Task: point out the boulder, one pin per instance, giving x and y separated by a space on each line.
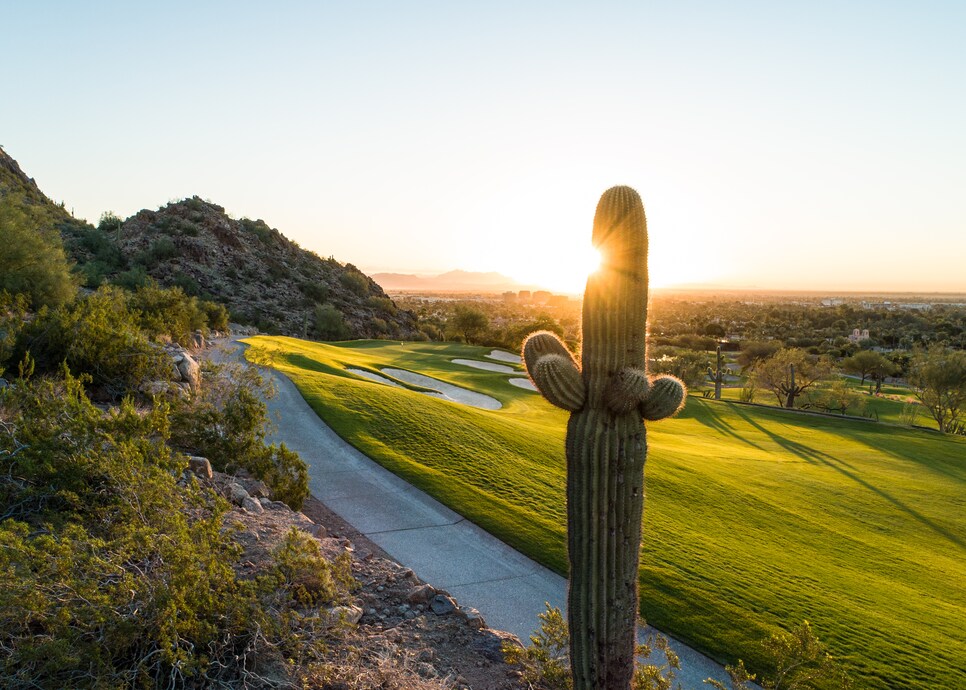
190 372
473 617
350 614
237 493
442 605
490 643
421 594
200 466
251 505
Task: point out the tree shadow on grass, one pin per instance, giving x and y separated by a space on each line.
817 457
711 418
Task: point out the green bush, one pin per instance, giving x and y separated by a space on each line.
104 581
32 259
329 323
227 422
355 282
99 336
168 312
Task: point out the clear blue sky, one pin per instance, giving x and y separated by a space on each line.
780 145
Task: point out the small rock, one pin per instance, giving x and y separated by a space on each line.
409 615
472 617
371 612
250 505
259 489
426 654
442 605
200 466
421 594
350 614
266 502
237 493
402 608
490 643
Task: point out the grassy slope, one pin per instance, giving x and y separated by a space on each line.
754 517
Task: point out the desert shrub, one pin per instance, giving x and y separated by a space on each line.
355 282
168 312
216 315
259 228
227 422
379 326
795 660
545 663
188 284
383 304
160 250
99 336
13 313
316 292
133 278
109 222
328 323
32 259
104 581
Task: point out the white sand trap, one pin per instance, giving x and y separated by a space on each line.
523 383
504 356
489 366
447 391
373 377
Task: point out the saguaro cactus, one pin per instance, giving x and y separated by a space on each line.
608 396
717 375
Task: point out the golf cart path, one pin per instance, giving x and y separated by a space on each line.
441 546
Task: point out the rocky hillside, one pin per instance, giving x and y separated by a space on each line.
264 279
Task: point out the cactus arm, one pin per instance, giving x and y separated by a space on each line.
628 388
666 398
553 371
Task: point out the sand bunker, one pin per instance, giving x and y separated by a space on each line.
504 356
373 377
489 366
446 391
523 383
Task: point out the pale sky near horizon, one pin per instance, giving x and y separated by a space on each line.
814 145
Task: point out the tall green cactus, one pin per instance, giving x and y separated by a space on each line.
717 375
608 396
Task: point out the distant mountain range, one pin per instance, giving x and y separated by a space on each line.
451 281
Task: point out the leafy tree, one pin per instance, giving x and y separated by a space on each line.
753 351
470 322
939 377
869 363
788 373
836 397
32 259
688 365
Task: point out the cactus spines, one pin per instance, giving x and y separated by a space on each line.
717 375
606 442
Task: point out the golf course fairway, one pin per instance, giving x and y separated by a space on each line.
755 519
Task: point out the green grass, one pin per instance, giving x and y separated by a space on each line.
754 518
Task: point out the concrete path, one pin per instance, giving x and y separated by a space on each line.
442 547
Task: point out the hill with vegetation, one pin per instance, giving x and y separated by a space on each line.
264 279
756 518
